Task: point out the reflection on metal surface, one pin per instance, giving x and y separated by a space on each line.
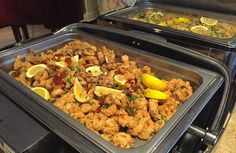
130 3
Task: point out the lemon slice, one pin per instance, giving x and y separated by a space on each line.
153 82
100 91
75 58
95 70
61 64
151 93
33 70
120 79
43 92
199 29
208 21
79 92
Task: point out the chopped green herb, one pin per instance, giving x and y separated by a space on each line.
133 98
104 70
104 106
66 91
163 117
68 81
65 71
153 112
137 91
74 68
159 122
91 102
130 111
116 86
129 97
84 123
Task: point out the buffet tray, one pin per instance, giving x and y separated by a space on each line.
121 16
205 83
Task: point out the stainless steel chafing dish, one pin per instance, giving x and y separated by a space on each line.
121 16
205 84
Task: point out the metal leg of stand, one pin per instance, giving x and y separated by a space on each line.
16 32
25 31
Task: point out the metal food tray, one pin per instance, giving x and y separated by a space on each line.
205 83
122 16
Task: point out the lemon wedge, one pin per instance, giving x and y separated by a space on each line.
43 92
61 64
208 21
100 91
120 79
75 59
79 92
33 70
95 70
151 93
162 24
200 29
12 72
181 20
153 82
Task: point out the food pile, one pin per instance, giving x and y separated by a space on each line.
108 94
186 22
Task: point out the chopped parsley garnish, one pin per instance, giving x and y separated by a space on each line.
137 92
162 117
66 91
68 81
65 71
129 97
91 102
104 106
133 98
116 86
130 111
153 112
74 68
